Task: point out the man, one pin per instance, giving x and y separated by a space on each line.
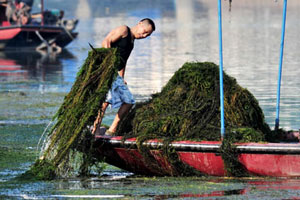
119 96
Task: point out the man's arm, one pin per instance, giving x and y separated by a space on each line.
114 35
122 73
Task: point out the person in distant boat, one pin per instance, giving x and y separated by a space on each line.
119 95
23 3
18 11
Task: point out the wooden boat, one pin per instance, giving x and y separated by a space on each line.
36 35
259 159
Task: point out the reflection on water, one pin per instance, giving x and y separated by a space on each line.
163 188
27 66
32 85
37 71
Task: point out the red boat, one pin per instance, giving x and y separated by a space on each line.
259 159
45 30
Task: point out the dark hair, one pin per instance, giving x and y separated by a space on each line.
150 21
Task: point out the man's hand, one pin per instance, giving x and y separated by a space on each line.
106 43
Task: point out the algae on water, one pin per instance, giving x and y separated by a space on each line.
69 144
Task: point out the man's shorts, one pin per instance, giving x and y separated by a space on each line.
119 94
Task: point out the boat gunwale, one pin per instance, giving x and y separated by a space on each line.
204 146
40 27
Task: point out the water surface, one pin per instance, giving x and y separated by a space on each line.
33 85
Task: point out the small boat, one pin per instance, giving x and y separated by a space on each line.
259 159
46 30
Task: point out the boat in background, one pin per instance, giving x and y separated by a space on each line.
46 30
258 159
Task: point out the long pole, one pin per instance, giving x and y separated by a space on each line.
280 65
42 12
221 69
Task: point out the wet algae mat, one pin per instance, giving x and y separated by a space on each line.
18 148
69 150
24 116
28 106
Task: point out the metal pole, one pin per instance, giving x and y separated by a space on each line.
280 65
221 69
42 12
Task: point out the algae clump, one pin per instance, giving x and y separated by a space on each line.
188 107
69 149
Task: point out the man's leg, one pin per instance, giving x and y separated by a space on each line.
124 109
99 118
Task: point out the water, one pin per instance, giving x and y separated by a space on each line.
33 85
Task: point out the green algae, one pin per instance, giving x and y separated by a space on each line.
17 148
10 157
70 140
155 188
188 108
229 153
29 105
41 170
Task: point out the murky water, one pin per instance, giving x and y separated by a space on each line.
32 87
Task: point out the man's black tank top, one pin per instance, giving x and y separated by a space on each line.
125 46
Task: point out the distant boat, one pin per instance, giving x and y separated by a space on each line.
46 34
258 159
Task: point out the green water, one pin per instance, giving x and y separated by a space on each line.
33 90
24 116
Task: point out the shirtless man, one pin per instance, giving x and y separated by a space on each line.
119 96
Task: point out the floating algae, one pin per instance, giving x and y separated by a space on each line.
69 150
188 108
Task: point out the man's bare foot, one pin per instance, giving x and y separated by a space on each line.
109 133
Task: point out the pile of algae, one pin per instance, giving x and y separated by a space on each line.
188 108
69 150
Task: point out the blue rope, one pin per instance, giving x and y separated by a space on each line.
280 65
221 70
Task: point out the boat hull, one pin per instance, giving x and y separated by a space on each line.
204 158
30 37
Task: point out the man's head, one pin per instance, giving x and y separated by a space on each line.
145 27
